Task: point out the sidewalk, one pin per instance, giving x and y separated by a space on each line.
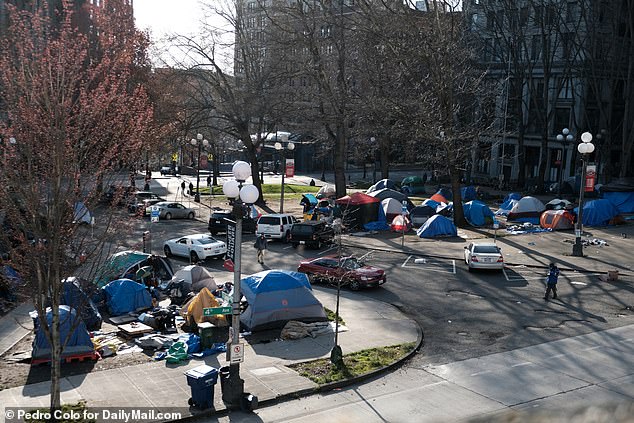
15 326
369 324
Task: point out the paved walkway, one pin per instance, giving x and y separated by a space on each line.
15 326
369 324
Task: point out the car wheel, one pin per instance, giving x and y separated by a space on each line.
168 216
355 285
194 257
168 252
190 216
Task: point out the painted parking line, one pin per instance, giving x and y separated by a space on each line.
329 249
524 273
430 264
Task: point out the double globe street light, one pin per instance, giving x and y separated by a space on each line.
239 194
585 148
200 142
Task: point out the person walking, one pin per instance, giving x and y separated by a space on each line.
182 189
191 188
551 281
261 245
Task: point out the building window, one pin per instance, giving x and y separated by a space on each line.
562 118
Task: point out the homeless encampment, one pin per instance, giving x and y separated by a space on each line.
420 214
557 220
75 297
192 310
620 193
81 214
444 195
527 209
327 191
413 185
358 209
401 223
70 323
382 184
391 208
558 204
509 202
126 263
125 296
277 296
468 193
197 277
437 226
384 193
598 212
478 213
308 202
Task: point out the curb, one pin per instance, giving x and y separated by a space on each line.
319 389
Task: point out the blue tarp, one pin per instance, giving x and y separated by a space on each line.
125 295
310 198
78 342
508 203
380 224
478 213
437 226
468 193
73 296
597 212
277 296
623 201
431 203
445 192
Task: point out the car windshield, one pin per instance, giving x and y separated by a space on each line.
206 240
486 249
350 263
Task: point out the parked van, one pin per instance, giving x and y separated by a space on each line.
275 226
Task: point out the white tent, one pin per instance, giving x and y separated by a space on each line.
527 208
326 191
82 214
198 277
558 204
391 206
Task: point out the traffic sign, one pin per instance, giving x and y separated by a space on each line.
154 214
212 311
237 353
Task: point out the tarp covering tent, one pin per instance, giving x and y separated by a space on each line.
619 185
125 295
468 193
557 220
197 277
358 209
598 212
81 214
445 209
308 202
558 204
506 208
79 341
384 193
620 192
382 184
75 297
431 203
420 214
413 185
527 209
378 225
192 310
478 213
327 191
401 223
508 203
277 296
443 195
118 263
437 226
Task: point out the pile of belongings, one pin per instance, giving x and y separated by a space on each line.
524 228
590 242
162 319
297 330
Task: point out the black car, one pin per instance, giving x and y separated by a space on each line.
138 202
312 233
218 223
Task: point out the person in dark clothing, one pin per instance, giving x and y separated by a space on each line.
183 187
191 188
261 245
551 281
209 180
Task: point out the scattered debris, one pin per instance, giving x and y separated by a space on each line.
589 242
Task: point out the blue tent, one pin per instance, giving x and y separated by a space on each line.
597 212
431 203
445 192
623 201
478 213
508 203
79 341
75 297
468 193
277 296
380 224
436 226
125 295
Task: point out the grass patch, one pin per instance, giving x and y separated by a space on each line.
322 371
69 413
331 316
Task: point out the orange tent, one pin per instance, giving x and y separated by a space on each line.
439 198
557 220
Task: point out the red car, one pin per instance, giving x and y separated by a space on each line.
352 272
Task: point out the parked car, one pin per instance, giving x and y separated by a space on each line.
312 233
142 200
217 222
483 255
349 270
275 226
167 170
195 247
171 210
122 193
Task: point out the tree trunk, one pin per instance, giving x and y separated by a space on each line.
56 355
458 211
543 161
339 161
521 160
385 158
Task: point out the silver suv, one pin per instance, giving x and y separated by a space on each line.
275 226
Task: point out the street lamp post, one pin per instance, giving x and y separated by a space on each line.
280 149
563 138
585 148
200 142
239 194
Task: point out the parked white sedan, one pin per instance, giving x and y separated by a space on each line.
171 210
483 255
195 247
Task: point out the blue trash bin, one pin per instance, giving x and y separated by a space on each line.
202 380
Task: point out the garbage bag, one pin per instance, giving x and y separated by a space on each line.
177 352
